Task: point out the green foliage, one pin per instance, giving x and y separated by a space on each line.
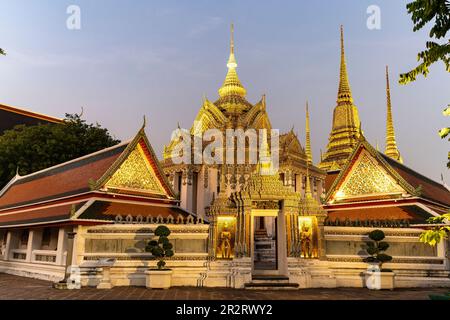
32 148
376 248
162 231
444 132
161 248
376 235
437 233
422 12
2 52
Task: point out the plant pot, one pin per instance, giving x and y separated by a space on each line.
377 280
158 279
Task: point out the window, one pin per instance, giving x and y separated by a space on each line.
46 238
24 238
282 177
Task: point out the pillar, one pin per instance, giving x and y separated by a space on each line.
7 246
61 247
34 243
186 191
12 243
321 238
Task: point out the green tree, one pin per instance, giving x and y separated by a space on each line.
439 230
437 12
422 12
2 52
32 148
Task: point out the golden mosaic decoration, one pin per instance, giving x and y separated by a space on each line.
367 178
135 173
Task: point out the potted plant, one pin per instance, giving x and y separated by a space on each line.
376 277
160 278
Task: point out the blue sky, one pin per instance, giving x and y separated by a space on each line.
158 58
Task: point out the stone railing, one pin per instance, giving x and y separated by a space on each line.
18 254
44 256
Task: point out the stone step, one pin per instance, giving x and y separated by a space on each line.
268 278
272 285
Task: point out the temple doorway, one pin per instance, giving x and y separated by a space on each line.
265 251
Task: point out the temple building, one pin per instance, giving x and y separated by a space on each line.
199 184
103 205
239 225
12 116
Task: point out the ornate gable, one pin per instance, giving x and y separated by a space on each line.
367 175
136 171
136 174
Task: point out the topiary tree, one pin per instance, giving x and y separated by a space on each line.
376 248
161 248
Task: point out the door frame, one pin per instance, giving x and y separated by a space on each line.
281 241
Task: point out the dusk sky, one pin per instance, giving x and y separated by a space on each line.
158 58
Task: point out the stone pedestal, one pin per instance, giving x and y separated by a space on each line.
105 282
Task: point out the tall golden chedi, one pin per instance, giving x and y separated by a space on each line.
200 184
391 144
346 128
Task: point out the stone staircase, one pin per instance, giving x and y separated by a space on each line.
265 251
268 282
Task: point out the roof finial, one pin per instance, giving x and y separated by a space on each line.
232 60
391 143
344 93
17 171
145 122
232 39
232 85
308 136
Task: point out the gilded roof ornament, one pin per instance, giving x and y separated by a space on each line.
344 92
232 85
308 136
391 143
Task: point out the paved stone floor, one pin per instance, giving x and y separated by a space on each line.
18 288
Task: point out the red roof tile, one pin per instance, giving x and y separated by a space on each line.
410 213
66 179
431 190
108 210
37 215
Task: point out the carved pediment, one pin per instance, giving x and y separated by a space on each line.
367 177
136 173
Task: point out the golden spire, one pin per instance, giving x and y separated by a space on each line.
308 193
232 85
391 144
308 137
346 130
344 92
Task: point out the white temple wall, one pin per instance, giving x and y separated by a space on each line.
414 265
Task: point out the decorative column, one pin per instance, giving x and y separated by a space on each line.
321 237
66 282
186 190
